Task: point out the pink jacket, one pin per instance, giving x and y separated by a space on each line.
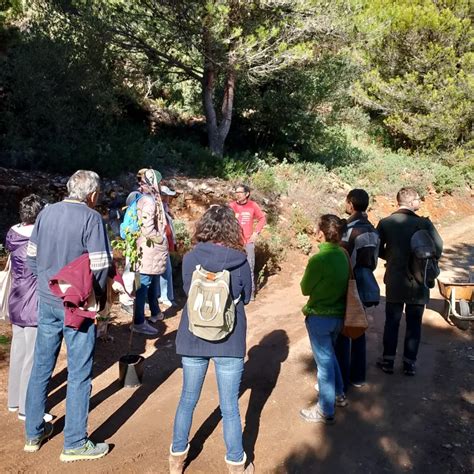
152 241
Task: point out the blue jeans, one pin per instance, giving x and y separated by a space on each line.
351 355
166 283
323 332
80 354
149 290
229 374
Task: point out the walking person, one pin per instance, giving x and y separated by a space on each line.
63 232
325 282
153 246
219 246
362 244
402 289
252 220
22 307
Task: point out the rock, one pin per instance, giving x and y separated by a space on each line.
447 446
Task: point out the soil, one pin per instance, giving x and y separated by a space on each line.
393 424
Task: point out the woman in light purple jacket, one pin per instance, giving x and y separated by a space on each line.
22 306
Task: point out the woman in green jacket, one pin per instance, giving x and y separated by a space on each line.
325 282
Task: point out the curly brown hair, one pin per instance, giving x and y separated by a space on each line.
220 226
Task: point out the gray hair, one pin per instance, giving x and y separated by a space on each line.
82 184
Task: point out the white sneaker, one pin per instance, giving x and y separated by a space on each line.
316 386
12 409
144 328
158 317
47 417
341 400
167 303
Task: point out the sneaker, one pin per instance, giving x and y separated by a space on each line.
409 368
168 303
158 317
144 328
128 308
313 415
12 409
47 417
341 401
316 386
358 384
89 451
32 445
385 365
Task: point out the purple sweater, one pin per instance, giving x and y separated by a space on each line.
23 302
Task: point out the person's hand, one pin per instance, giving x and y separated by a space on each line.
253 237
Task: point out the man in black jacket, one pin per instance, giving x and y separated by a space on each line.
402 289
362 244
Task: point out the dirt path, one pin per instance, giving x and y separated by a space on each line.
394 424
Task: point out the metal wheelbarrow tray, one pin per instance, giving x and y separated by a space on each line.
457 295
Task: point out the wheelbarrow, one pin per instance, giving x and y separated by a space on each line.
458 302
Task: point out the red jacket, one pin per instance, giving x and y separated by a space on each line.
74 283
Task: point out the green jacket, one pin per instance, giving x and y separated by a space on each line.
325 282
395 233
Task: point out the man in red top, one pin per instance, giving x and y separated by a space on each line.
252 219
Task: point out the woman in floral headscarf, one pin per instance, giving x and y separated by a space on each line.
153 246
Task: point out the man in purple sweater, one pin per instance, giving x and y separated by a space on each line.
63 232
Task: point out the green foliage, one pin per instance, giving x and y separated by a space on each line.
129 248
4 340
287 114
300 222
182 235
10 9
57 114
419 61
304 243
269 253
382 171
266 181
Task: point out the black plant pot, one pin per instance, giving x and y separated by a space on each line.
131 370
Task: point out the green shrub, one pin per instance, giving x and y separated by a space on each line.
300 222
304 243
182 235
266 181
448 179
269 253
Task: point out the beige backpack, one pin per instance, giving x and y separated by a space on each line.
211 309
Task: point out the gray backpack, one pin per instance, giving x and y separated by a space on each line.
211 309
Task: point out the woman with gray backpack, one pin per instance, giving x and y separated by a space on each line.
213 326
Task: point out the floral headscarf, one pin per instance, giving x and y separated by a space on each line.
150 182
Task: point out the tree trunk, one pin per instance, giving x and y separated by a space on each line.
217 132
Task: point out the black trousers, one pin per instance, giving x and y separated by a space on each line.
393 315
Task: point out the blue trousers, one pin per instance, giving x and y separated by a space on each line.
166 283
323 332
229 374
149 290
80 355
